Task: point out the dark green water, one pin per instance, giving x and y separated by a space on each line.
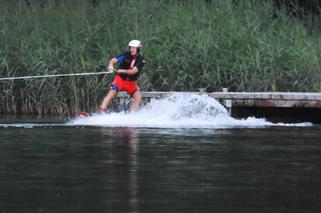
94 169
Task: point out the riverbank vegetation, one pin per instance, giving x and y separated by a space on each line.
241 45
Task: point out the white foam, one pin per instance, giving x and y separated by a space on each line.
180 110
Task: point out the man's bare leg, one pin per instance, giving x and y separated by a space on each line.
111 94
137 98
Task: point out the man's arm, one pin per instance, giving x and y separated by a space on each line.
132 71
139 66
111 64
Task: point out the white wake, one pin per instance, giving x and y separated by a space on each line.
180 110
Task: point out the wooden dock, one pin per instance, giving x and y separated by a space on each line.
275 106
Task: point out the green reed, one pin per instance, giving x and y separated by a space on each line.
188 45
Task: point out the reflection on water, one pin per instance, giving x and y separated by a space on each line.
129 137
68 169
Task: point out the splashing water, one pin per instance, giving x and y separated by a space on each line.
180 110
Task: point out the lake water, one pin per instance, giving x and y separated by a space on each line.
182 162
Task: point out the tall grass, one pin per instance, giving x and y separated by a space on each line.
188 45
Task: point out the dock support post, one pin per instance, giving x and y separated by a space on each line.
228 102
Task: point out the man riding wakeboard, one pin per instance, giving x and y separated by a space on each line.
130 64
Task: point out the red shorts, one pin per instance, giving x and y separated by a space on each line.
123 85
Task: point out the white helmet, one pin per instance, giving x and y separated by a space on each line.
135 43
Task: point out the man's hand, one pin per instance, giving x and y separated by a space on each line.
111 68
121 71
111 64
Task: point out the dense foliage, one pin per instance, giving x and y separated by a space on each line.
242 45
